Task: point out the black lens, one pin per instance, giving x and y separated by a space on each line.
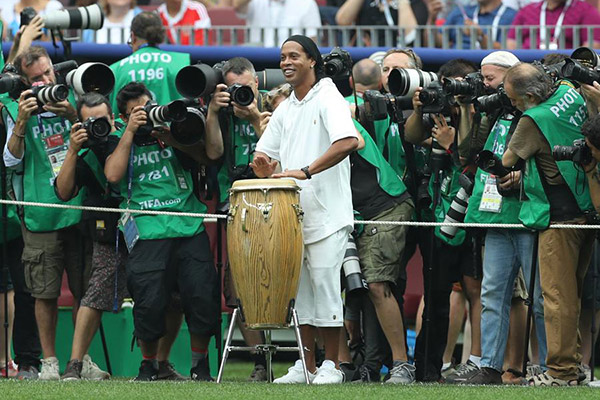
100 128
243 96
191 130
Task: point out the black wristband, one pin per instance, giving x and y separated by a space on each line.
305 170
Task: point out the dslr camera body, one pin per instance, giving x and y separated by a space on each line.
97 129
436 100
379 105
579 153
338 64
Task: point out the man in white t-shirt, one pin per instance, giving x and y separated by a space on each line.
290 17
311 134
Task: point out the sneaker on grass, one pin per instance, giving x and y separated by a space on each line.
91 371
73 371
463 372
295 374
367 375
49 370
147 373
201 372
328 374
167 372
13 369
28 372
259 374
401 373
485 376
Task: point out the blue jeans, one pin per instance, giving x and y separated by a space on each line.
506 250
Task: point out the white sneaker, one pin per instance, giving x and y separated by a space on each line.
49 370
295 374
91 371
328 374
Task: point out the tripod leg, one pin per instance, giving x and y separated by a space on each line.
596 259
227 344
300 345
269 356
530 302
105 348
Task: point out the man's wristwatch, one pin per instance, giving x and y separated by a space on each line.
305 170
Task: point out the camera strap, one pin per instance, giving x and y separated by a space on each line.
495 22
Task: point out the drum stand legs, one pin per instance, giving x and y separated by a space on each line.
267 348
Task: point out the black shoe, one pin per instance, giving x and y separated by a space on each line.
167 372
485 376
366 375
201 372
147 373
73 371
463 373
349 370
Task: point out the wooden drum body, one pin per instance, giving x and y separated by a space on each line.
265 249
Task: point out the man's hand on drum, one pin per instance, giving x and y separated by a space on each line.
291 173
263 167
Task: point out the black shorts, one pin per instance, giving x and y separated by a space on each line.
459 261
156 267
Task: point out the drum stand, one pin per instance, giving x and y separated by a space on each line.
267 348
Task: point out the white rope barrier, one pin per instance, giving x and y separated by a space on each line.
214 217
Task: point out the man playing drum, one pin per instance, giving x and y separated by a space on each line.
311 134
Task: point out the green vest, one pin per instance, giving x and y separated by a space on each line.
46 144
396 157
153 67
559 119
449 187
243 138
509 211
388 180
160 183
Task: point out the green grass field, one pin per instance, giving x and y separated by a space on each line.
235 388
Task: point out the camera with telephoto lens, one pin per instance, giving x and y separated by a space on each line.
494 102
379 105
423 196
351 266
471 86
90 17
458 208
48 94
579 153
435 99
159 116
192 129
10 82
338 64
97 129
404 82
576 71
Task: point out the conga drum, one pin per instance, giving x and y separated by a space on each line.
265 249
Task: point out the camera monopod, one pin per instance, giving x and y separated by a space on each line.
4 263
530 300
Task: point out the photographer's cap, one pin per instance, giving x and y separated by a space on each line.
500 58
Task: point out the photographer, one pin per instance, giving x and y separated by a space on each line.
84 169
557 191
506 250
38 137
164 251
241 131
379 194
454 254
148 64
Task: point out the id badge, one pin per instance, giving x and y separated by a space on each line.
491 200
446 183
56 151
130 230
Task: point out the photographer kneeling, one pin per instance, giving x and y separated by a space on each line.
557 192
164 251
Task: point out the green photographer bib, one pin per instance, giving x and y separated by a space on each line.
160 183
46 145
449 187
484 205
396 157
559 119
153 67
244 139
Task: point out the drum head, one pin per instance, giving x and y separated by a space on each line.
263 184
